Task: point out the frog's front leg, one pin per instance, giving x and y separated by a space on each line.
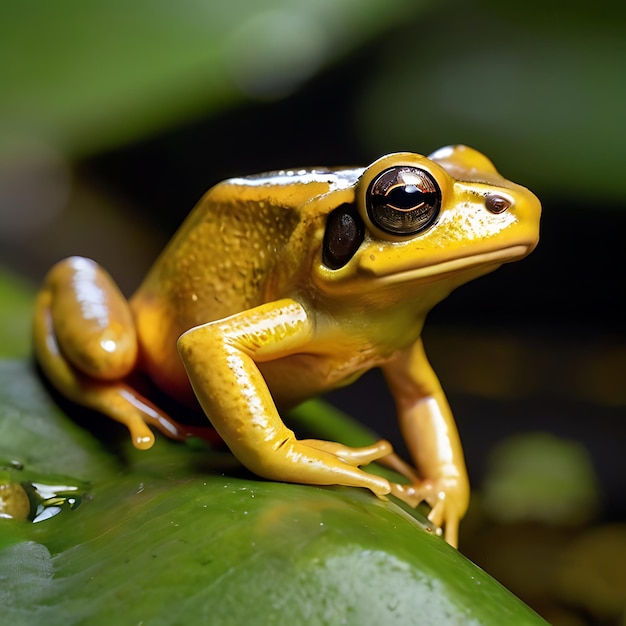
221 360
431 435
85 342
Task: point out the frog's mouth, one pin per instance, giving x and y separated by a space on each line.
390 272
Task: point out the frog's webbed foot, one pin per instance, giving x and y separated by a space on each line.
443 498
352 456
441 495
137 412
316 462
341 466
128 407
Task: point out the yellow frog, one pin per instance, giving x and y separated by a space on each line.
285 285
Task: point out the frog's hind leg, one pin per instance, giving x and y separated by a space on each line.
85 342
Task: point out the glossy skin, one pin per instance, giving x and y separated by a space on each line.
259 302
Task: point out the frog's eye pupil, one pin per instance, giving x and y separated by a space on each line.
344 233
403 200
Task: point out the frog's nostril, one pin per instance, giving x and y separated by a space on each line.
496 203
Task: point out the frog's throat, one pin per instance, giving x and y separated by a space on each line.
452 266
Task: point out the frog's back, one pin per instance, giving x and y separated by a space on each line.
217 262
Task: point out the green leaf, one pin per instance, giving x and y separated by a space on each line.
15 315
181 534
84 76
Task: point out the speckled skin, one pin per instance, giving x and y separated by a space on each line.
241 311
242 246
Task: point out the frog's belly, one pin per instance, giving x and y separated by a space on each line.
296 378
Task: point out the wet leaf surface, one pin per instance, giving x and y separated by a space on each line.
182 534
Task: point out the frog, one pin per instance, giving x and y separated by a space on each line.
282 286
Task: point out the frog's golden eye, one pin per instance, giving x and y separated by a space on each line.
344 233
403 200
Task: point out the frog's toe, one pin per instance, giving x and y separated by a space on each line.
312 462
443 514
353 456
409 494
141 435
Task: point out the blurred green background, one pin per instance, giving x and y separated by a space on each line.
115 117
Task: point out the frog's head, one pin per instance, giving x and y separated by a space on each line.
414 220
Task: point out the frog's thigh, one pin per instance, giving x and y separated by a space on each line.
89 318
84 340
220 359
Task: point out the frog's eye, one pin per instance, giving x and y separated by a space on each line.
344 233
403 200
497 204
